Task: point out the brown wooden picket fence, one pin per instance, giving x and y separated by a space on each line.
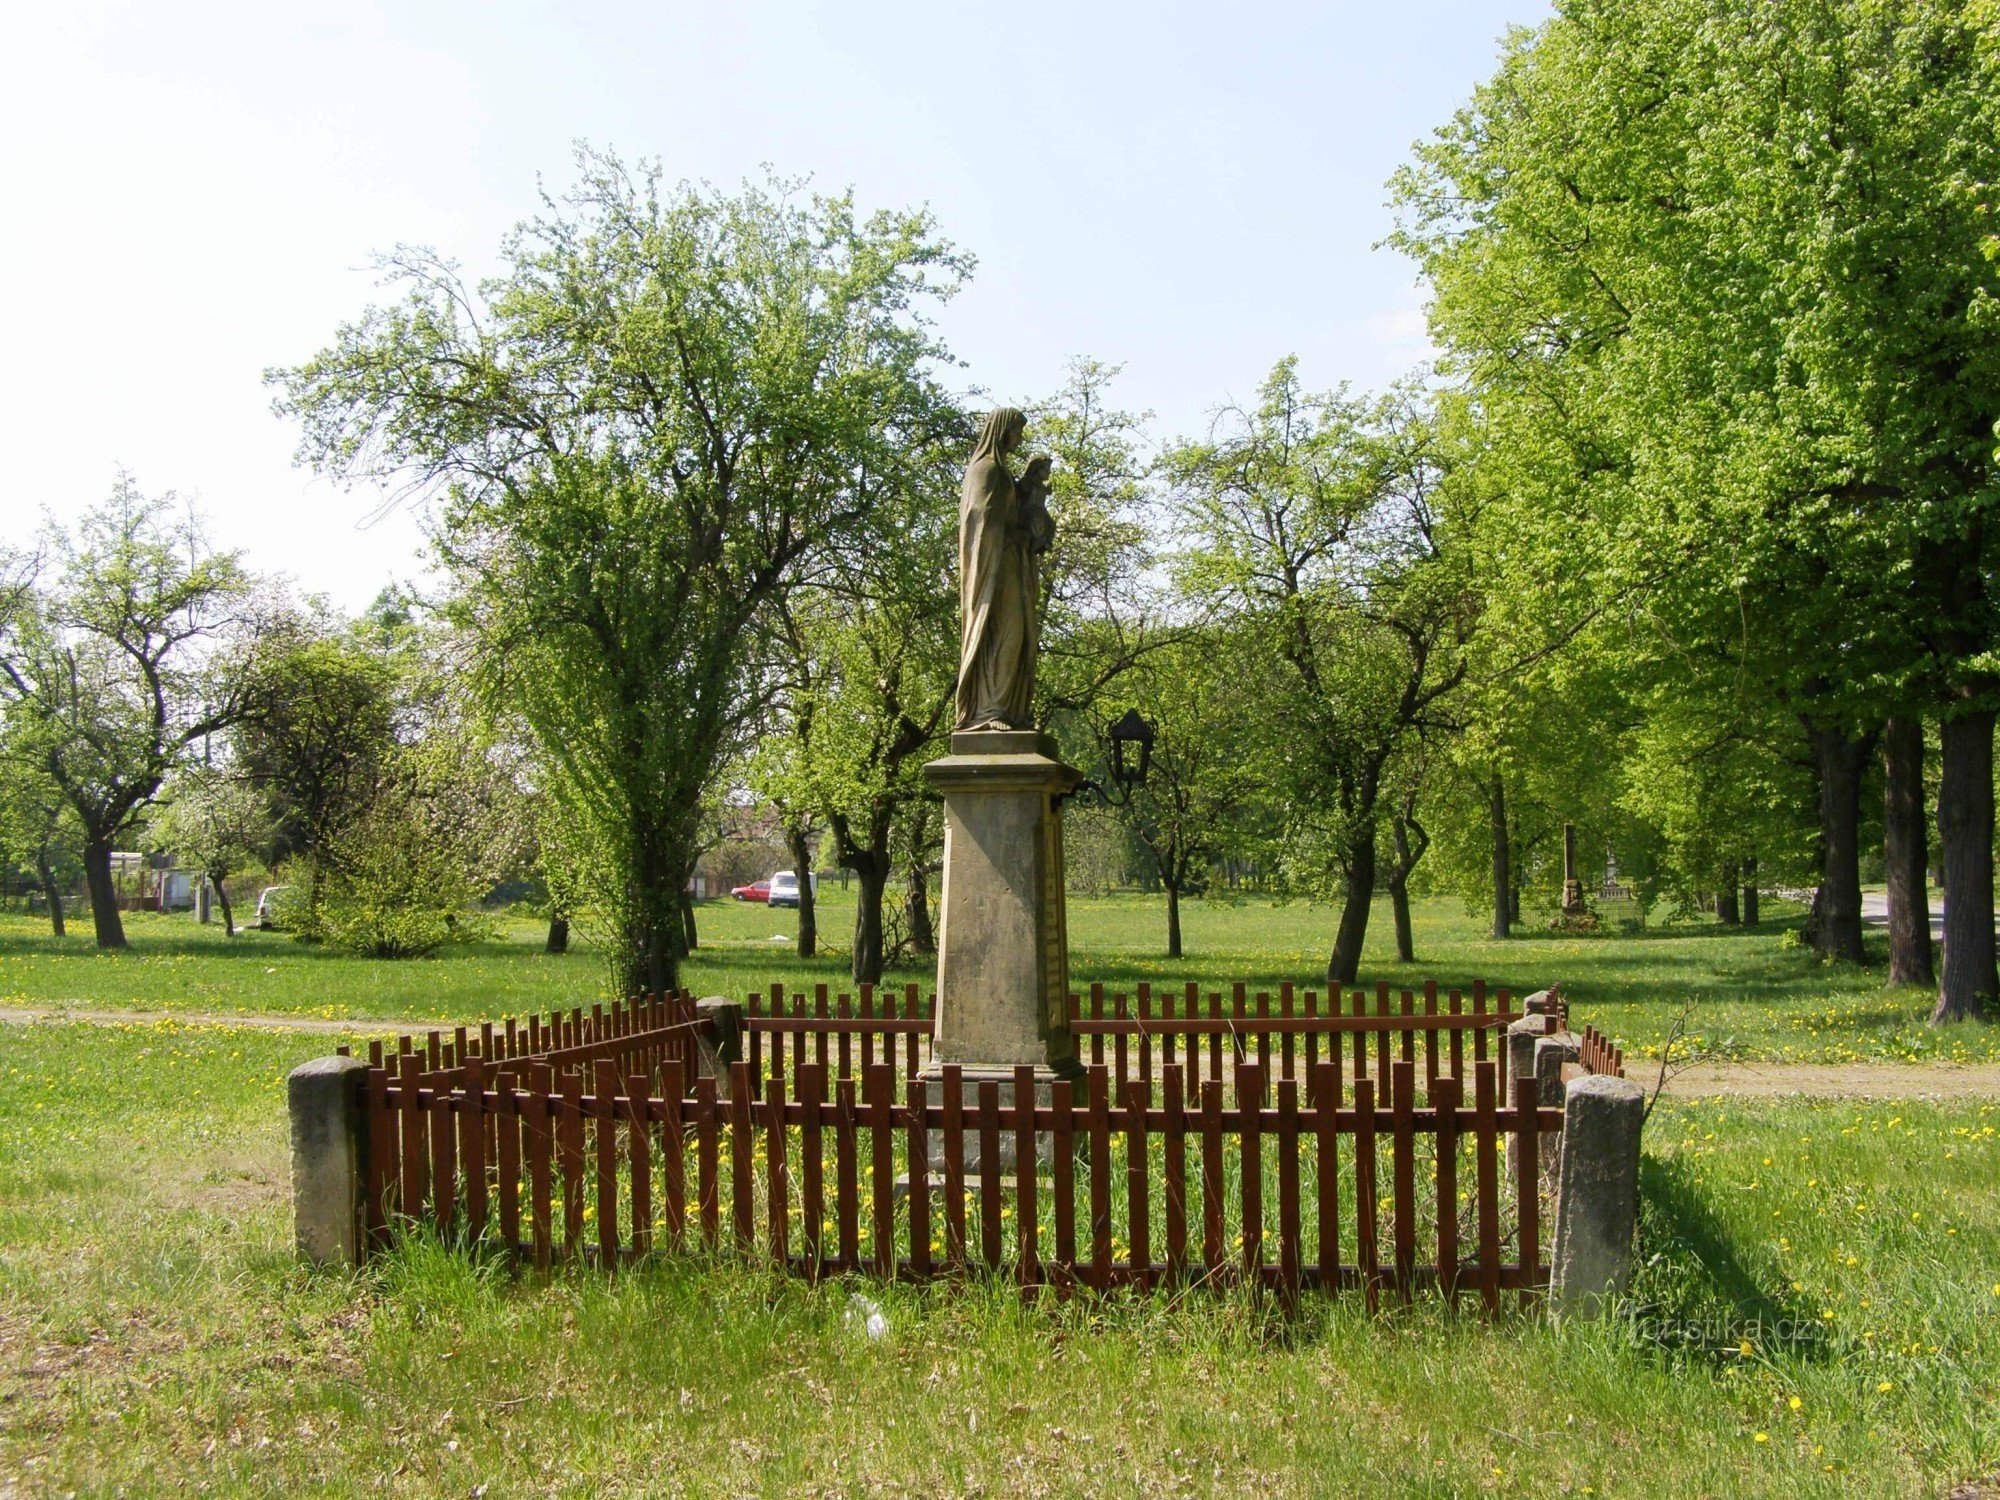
1284 1184
1597 1055
1140 1035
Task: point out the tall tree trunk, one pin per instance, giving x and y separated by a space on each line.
1750 891
1173 916
690 938
800 845
1399 893
1967 983
558 939
1344 964
1503 879
1726 910
872 875
917 908
1906 852
103 894
1837 926
652 932
222 895
1399 905
52 893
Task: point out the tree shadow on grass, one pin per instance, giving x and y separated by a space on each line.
1695 1297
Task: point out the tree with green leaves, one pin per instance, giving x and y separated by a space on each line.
323 696
868 699
1317 525
1100 615
115 658
666 408
1722 280
215 824
38 831
1202 789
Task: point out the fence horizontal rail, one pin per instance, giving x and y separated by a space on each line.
1284 1025
655 1024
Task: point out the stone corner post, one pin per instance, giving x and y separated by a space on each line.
327 1099
1597 1194
719 1036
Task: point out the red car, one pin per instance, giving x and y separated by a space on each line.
761 891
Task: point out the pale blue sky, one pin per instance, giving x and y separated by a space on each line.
1192 190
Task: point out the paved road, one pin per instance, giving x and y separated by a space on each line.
1875 912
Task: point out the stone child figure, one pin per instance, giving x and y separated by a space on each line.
1003 527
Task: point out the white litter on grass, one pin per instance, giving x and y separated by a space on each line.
865 1314
781 937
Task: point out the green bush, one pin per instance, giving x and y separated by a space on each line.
404 877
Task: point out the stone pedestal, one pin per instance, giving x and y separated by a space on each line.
1003 946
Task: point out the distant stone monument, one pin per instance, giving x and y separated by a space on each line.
1572 899
1003 952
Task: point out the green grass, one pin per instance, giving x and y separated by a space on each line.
1759 996
157 1335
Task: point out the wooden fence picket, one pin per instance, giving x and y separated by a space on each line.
1063 1178
918 1152
1028 1239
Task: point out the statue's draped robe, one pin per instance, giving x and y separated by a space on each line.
998 593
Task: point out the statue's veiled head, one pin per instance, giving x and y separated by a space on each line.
1000 434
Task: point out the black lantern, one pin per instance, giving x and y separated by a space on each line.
1127 732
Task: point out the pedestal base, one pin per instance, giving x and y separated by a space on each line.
971 1154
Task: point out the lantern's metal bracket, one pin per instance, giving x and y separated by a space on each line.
1104 796
1130 730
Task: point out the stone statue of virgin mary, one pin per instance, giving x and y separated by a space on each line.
1003 527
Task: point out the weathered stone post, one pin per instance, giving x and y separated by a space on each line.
1597 1193
1552 1054
328 1106
1520 1040
718 1038
1003 943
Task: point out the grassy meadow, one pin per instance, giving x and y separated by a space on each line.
1817 1314
1757 995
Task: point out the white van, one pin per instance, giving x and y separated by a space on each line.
785 888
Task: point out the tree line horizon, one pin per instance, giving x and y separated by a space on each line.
1684 539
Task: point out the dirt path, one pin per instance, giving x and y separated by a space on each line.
1831 1080
22 1015
1745 1080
